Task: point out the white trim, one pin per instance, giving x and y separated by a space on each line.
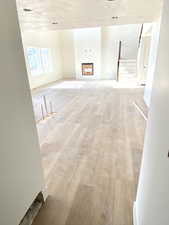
141 111
135 221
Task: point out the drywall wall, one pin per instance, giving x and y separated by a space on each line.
129 37
21 177
45 39
152 203
152 62
110 52
98 45
143 59
87 43
68 54
70 48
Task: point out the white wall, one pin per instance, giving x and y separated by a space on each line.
110 52
87 42
143 59
104 46
152 62
152 203
46 39
70 48
129 36
21 176
68 54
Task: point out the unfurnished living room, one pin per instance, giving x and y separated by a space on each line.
84 97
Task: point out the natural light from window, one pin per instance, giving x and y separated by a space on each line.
40 60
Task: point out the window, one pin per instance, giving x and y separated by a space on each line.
46 60
40 60
34 60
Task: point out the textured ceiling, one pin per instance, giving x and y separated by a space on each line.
64 14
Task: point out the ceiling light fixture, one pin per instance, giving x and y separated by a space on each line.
27 10
115 17
55 23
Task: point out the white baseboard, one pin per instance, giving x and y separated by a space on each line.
135 214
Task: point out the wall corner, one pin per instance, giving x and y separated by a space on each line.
135 220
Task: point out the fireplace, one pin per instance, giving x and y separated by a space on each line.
87 69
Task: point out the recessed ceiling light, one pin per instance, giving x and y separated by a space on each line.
115 17
27 10
55 23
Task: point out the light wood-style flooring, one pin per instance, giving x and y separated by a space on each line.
91 150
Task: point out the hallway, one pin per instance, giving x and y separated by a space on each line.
92 155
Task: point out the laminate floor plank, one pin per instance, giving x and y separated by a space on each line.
91 152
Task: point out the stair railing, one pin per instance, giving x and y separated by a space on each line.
118 61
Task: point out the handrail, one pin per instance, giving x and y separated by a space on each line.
118 61
141 32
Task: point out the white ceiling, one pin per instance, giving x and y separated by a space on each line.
85 13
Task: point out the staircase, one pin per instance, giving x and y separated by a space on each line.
127 71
